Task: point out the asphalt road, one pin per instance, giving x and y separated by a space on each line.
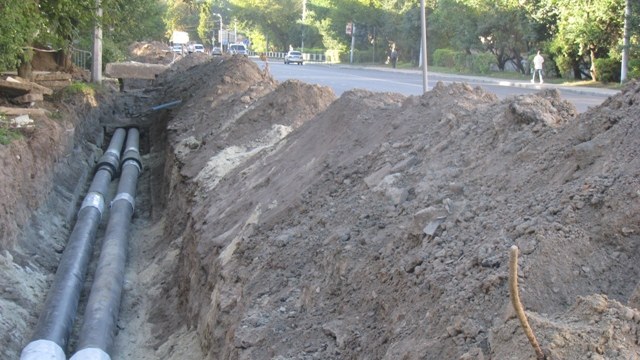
342 78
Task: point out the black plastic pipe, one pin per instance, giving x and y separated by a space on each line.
51 334
101 315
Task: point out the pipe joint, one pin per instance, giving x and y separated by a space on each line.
42 349
91 354
135 163
94 199
132 154
109 161
127 197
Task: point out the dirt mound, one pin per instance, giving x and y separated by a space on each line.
594 327
382 227
154 52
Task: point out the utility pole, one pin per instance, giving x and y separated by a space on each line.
353 41
423 46
626 42
96 63
304 15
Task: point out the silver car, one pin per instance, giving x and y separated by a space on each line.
238 49
293 57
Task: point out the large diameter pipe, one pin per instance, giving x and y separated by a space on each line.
101 315
51 334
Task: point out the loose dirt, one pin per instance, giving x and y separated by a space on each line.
277 222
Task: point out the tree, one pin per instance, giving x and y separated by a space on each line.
587 30
59 24
20 23
454 25
274 18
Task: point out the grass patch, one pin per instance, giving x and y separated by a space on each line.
7 134
88 89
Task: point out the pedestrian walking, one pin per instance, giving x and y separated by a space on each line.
538 60
393 56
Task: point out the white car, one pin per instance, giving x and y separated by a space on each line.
293 57
198 48
177 49
239 49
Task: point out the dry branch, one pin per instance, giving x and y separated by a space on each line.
517 305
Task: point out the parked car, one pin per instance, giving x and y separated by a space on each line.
177 48
240 49
216 51
293 57
198 48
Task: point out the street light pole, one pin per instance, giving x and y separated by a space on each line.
219 39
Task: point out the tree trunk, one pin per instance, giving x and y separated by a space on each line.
63 60
500 58
518 61
592 69
577 74
25 69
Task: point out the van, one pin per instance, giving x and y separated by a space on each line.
240 49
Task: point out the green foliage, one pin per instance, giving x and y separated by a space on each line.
88 89
461 61
332 56
444 57
112 52
278 20
634 69
586 30
454 24
62 23
481 63
19 24
127 21
7 134
608 70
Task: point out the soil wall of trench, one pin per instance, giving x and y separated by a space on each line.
44 176
278 222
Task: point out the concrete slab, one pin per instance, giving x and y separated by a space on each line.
134 70
17 87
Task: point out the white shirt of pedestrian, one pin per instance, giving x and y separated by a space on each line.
537 61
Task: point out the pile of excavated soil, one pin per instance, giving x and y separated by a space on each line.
154 52
292 225
381 227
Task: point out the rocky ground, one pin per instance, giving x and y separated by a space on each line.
275 221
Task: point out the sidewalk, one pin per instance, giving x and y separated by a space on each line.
504 82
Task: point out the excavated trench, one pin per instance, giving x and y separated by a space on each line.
47 237
273 221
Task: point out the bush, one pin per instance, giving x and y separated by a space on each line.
481 63
444 58
463 61
634 69
332 55
367 56
608 70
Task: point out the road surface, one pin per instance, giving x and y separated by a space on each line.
342 78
